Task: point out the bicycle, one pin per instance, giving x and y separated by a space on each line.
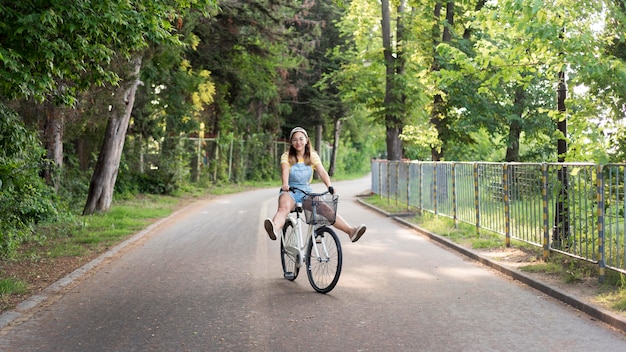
321 254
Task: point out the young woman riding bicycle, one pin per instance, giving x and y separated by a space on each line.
297 167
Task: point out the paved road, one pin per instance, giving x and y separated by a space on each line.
209 279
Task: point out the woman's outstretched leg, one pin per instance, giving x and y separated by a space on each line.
354 232
274 225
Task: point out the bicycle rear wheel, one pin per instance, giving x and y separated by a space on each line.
288 253
323 265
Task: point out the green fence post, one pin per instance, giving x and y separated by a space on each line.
600 200
544 196
454 205
397 182
505 198
435 187
407 165
419 186
476 198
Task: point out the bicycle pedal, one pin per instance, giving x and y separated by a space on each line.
289 275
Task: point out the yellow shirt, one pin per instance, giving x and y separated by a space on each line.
315 160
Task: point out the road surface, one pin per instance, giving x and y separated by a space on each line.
209 279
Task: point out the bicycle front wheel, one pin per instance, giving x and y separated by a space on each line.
323 260
289 254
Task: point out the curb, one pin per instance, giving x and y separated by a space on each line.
593 311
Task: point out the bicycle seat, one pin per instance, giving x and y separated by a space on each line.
298 208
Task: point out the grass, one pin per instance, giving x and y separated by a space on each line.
8 286
389 205
85 234
11 286
443 226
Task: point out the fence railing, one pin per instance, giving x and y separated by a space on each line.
578 209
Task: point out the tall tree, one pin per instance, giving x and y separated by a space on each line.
144 22
394 70
441 33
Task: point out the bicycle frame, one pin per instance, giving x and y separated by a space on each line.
298 253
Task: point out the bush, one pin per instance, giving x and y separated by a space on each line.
25 199
157 182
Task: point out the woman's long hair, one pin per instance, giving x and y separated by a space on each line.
293 154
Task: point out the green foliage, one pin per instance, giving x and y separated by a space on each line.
24 198
156 181
496 76
355 157
67 46
260 165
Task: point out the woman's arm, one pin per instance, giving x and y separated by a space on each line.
284 176
321 171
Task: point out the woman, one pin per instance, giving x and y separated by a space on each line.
297 167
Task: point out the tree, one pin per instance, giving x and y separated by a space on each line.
148 22
316 105
394 92
105 173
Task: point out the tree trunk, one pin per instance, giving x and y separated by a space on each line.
333 156
515 127
512 149
561 231
438 114
393 120
53 132
105 173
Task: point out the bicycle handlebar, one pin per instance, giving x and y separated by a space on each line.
330 190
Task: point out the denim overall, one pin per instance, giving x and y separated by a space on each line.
300 176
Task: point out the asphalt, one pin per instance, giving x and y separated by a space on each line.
50 294
614 320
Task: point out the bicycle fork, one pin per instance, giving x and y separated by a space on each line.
319 246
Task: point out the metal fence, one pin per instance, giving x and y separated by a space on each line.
577 209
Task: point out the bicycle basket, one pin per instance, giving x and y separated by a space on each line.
320 210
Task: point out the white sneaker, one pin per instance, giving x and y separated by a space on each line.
357 233
269 227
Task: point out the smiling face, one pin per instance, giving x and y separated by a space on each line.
299 141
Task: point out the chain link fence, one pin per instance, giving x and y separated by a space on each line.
577 209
